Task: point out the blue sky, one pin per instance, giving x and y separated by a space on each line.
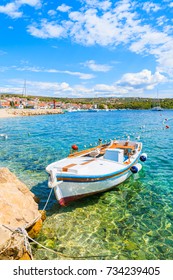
87 48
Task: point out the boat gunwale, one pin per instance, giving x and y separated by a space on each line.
68 176
88 178
92 180
103 148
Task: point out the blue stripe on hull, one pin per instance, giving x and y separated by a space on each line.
94 178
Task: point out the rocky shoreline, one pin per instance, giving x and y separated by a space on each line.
10 113
19 217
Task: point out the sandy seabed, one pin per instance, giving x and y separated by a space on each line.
10 113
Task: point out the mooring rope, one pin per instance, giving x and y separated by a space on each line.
27 245
25 234
22 231
39 216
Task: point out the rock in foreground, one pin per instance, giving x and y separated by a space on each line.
18 209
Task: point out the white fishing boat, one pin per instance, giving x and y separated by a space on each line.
157 105
94 170
93 108
157 108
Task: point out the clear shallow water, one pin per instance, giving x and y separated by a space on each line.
133 221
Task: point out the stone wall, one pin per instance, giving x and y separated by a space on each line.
33 112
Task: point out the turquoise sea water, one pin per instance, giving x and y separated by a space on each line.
133 221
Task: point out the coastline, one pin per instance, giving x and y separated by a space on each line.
11 113
103 221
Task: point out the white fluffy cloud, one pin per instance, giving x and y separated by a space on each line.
111 24
102 5
151 7
91 64
106 29
159 45
46 88
161 20
39 88
80 75
106 90
33 3
96 23
63 8
165 62
107 24
52 13
131 83
143 80
12 9
47 30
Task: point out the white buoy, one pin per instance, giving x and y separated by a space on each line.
136 168
5 136
143 157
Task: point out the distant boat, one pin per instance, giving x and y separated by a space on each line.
157 106
70 110
94 170
93 110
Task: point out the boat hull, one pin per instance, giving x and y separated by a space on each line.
90 172
69 191
158 108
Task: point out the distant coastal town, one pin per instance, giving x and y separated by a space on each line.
13 101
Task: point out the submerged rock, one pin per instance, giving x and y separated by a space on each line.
18 212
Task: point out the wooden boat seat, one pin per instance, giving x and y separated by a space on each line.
119 146
88 161
65 168
84 152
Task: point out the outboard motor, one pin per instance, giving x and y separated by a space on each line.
143 157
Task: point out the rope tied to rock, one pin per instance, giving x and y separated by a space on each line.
39 216
22 231
27 245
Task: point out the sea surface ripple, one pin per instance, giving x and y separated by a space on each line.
133 221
